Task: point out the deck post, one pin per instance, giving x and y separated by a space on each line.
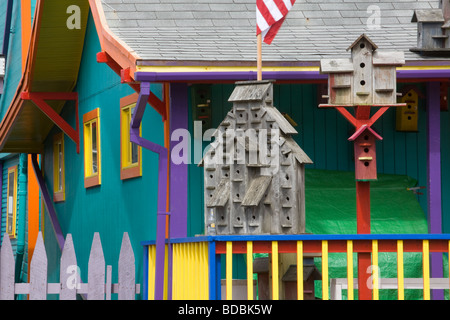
434 177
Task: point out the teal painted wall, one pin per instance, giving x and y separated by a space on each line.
116 206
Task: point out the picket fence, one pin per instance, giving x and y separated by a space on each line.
98 287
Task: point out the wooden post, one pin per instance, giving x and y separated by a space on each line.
363 227
434 191
259 57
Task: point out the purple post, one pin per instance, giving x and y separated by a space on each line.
178 172
162 187
434 178
48 202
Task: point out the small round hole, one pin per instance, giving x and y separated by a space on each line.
287 198
238 219
409 118
241 115
363 83
287 218
362 45
237 195
253 217
211 176
362 65
366 137
366 163
287 177
409 106
409 94
237 171
222 217
366 150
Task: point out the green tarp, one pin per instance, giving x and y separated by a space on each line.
331 209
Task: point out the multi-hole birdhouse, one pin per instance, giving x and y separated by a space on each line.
254 175
367 79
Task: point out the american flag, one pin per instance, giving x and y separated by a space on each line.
270 15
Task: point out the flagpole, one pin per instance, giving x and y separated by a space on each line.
259 57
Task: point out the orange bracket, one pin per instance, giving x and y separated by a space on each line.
38 98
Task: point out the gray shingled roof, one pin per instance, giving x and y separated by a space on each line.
224 30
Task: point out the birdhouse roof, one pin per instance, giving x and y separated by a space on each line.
361 130
250 91
220 195
429 15
336 65
363 36
256 191
298 152
388 58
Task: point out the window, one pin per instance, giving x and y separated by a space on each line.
130 153
58 168
92 156
11 205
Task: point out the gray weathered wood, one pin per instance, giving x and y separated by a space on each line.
108 285
69 275
70 282
6 270
96 270
256 190
336 65
220 195
38 271
127 272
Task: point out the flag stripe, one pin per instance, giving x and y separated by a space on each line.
282 7
270 15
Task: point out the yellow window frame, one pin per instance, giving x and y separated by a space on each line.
92 156
11 203
128 167
59 175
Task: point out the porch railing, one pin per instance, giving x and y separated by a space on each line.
195 262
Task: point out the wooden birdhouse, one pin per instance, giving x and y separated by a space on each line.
367 78
433 30
407 117
254 170
429 31
365 153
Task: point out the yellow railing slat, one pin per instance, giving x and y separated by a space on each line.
325 295
229 270
275 287
350 270
400 271
300 270
249 270
375 270
426 269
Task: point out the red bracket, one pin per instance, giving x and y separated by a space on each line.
38 98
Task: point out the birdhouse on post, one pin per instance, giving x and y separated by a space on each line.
367 79
365 153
